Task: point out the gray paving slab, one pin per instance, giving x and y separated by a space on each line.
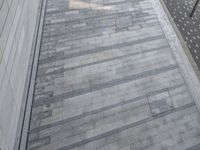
108 80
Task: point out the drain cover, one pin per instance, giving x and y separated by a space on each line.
160 103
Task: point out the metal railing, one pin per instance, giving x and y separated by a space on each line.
194 8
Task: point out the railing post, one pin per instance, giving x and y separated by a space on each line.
194 8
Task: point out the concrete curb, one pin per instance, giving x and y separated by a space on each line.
181 53
25 112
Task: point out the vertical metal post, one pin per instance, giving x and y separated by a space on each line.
194 8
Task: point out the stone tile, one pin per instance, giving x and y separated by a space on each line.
160 103
107 79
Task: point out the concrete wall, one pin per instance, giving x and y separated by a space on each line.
17 26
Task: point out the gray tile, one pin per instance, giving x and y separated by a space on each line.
107 79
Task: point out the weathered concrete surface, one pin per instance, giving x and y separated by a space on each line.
108 80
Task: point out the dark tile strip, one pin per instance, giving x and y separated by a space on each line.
91 34
39 143
61 70
43 115
98 16
103 135
98 50
101 86
69 31
44 127
81 35
66 31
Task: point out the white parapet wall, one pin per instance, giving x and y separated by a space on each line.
17 26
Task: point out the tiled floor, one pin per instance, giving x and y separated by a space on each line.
107 80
